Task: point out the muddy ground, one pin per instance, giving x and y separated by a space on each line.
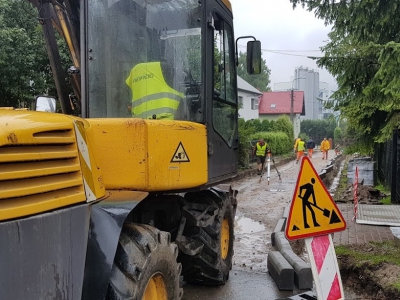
261 202
365 281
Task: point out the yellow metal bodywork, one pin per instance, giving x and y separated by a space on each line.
227 4
48 160
92 175
40 165
136 154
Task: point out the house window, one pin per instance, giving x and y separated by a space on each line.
240 102
273 105
254 103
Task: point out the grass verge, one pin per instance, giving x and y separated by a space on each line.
373 252
376 263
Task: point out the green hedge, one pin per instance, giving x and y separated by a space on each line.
278 142
244 147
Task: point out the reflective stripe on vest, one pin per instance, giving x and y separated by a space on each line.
151 95
261 149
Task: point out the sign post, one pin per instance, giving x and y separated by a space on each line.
268 166
324 267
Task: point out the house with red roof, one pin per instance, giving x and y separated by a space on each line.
274 104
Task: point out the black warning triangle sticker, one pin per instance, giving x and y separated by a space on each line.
334 218
180 154
295 228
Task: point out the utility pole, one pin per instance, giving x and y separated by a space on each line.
292 100
291 104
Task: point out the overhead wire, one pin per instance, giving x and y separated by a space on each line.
284 52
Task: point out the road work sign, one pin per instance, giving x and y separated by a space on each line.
313 211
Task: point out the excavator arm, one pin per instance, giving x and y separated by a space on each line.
61 18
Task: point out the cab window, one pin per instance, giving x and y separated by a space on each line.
225 96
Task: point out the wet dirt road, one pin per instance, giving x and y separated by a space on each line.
260 206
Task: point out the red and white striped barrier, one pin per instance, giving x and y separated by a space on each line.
325 269
355 191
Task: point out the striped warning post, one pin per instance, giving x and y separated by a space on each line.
355 191
325 269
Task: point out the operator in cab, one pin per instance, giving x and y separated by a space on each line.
152 96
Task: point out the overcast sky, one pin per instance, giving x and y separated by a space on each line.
279 27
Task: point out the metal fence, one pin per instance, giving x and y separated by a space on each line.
387 157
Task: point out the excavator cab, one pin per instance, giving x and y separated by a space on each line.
127 54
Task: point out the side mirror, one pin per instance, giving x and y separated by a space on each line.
44 103
254 57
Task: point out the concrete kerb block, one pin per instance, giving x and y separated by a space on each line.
286 211
303 278
329 168
396 234
280 270
280 226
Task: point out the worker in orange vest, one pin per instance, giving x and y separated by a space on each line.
310 145
325 146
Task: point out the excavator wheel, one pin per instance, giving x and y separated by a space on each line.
206 245
145 266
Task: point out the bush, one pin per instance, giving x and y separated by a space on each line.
278 135
244 148
278 142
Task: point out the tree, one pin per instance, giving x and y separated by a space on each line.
259 81
284 124
318 129
363 55
24 65
337 135
21 49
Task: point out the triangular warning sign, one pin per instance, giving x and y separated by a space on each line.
180 154
313 211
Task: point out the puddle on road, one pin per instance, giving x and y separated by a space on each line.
251 243
247 225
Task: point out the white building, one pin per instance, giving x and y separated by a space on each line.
248 97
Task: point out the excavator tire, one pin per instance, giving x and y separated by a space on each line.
207 248
145 266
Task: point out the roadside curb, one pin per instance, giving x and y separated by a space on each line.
277 267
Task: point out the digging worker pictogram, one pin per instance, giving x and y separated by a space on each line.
309 191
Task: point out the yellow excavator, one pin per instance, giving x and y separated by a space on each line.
115 196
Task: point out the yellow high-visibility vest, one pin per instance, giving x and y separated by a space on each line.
300 146
151 95
261 149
